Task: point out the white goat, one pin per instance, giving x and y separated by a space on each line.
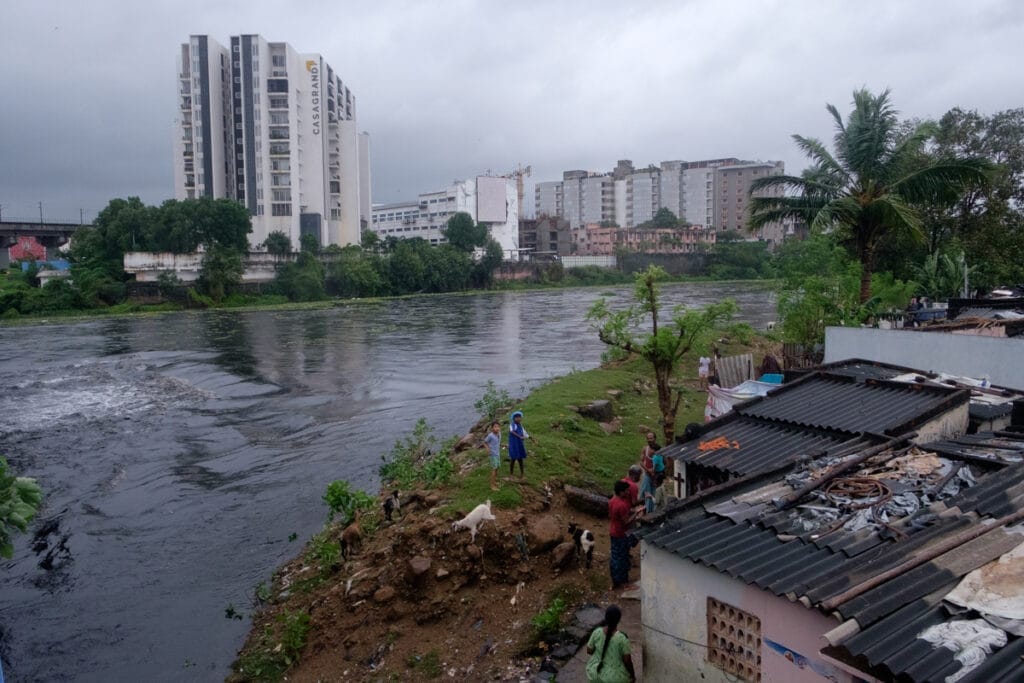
474 519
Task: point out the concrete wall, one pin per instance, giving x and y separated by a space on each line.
674 264
971 356
580 261
674 616
148 266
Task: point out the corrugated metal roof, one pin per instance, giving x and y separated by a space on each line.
744 536
842 403
741 445
821 411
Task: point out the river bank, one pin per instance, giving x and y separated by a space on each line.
418 600
277 302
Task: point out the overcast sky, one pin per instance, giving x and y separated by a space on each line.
452 89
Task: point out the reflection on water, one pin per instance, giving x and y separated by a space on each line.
178 453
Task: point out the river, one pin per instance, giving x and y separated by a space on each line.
178 453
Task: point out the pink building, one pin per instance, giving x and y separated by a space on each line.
595 240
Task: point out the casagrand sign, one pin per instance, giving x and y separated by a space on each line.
314 90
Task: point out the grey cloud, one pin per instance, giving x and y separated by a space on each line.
449 90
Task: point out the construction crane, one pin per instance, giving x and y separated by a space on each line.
519 173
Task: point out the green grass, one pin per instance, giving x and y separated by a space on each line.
574 449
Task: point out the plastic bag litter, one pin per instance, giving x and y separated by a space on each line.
902 505
970 639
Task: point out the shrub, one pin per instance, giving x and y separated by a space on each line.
549 620
493 403
343 502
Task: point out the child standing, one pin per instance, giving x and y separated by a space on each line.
517 437
493 443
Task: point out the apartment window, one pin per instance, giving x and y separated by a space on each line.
235 48
277 60
734 641
282 195
281 209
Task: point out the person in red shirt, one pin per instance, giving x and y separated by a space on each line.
620 516
632 480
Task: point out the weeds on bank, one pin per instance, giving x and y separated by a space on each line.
417 459
549 620
428 665
279 647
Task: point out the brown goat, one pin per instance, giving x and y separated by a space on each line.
351 536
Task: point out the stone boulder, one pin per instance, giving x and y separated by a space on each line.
383 595
466 442
543 534
562 555
611 427
417 570
598 410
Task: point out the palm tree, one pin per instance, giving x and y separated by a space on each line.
867 190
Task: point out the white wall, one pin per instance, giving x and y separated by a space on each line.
675 592
1001 360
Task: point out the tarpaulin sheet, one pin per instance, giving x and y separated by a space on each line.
721 400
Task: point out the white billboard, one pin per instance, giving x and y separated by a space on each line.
491 200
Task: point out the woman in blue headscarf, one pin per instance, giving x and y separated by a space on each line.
517 437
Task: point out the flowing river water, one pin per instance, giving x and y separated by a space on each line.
178 453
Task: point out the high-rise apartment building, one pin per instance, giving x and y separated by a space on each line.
274 129
713 193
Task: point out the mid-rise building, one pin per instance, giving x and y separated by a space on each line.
491 200
597 240
713 193
275 130
732 195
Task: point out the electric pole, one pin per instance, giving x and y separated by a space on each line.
40 213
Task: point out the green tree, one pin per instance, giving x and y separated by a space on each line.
220 272
446 269
868 190
667 343
942 274
278 243
664 218
19 502
370 240
309 243
483 271
355 273
463 234
986 221
405 268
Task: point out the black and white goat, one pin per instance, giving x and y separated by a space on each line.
584 540
391 505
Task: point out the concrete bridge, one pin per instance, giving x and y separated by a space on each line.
21 238
58 233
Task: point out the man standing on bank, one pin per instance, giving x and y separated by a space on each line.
620 517
517 437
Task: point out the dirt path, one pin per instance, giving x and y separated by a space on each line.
575 669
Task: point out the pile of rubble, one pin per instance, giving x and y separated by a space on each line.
885 487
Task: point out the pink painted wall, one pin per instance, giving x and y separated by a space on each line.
674 615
